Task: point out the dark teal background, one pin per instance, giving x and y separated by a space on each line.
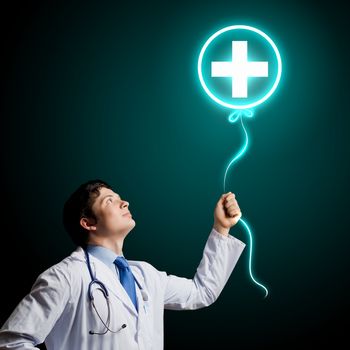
110 90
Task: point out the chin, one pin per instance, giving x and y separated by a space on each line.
131 225
127 227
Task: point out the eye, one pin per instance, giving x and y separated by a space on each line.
109 200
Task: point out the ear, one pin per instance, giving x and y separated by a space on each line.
88 224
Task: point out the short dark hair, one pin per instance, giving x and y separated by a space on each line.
79 205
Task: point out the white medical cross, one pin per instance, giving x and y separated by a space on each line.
239 69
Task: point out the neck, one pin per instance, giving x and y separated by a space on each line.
114 244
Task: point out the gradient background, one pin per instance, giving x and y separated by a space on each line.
110 90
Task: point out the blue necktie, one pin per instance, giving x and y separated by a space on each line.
126 278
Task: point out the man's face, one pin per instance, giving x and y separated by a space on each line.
112 213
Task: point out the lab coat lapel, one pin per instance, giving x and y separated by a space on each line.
140 301
111 281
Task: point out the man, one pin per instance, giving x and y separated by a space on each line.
97 300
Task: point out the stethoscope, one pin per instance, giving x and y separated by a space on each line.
100 286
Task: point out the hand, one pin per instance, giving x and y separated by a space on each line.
226 213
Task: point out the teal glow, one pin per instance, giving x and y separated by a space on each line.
251 104
233 117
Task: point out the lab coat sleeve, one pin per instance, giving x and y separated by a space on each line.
37 313
220 256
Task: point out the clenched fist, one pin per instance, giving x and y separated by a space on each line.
226 213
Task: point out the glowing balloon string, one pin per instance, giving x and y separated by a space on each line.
233 117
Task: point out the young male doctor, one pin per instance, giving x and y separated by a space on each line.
95 299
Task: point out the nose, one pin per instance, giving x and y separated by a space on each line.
125 204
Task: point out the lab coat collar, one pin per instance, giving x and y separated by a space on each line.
106 276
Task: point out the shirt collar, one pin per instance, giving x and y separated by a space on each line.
105 255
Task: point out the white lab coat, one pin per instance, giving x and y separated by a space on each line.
58 311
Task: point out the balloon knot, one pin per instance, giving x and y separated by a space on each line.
238 113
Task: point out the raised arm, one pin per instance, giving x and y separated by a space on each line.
220 256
